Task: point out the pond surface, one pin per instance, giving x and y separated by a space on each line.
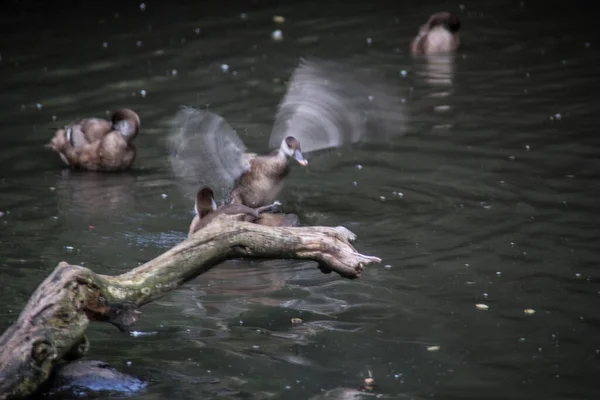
498 174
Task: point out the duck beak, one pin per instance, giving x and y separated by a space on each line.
298 156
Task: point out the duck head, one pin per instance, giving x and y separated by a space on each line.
290 147
205 202
445 19
127 122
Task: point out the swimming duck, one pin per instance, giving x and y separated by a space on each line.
438 35
325 107
206 210
97 144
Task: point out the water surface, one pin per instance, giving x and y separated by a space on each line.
497 175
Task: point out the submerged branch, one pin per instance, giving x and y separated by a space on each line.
52 326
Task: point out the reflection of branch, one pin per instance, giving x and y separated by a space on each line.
52 325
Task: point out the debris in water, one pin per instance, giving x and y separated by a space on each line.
142 6
296 321
164 195
368 383
482 307
278 19
197 31
138 43
527 147
529 311
382 198
403 73
243 15
433 348
224 67
359 166
138 333
277 35
143 93
105 44
387 266
369 41
70 248
38 106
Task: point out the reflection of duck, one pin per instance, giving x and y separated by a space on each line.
207 210
97 144
326 106
438 35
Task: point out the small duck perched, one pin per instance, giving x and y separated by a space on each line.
206 210
438 35
327 105
96 144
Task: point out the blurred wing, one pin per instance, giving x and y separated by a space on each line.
329 105
205 151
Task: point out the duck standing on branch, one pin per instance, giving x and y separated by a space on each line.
96 144
326 106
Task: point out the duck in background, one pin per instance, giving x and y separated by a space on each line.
206 210
438 35
95 144
327 105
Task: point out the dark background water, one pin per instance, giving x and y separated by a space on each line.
498 172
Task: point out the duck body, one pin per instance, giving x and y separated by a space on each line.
206 211
96 144
438 35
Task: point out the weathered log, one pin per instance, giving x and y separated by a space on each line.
52 326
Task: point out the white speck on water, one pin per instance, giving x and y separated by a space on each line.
403 73
139 333
129 363
224 67
433 348
587 44
527 75
369 41
164 195
105 44
370 98
461 7
387 266
359 166
243 15
241 322
557 116
234 73
355 183
512 158
138 43
529 311
278 19
197 31
527 147
288 387
485 295
38 106
174 72
498 273
577 275
143 93
482 307
256 346
142 6
382 198
522 340
69 248
277 35
398 376
54 118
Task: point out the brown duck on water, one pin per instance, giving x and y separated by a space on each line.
438 35
96 144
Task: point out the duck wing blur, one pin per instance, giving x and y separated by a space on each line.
329 104
206 151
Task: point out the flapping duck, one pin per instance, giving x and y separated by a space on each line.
326 106
96 144
438 35
206 210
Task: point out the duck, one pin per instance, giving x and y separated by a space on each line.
325 107
438 35
206 210
95 144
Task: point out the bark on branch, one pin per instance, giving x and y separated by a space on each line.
52 325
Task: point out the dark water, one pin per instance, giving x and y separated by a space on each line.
498 172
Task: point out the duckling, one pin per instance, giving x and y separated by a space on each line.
438 35
326 106
97 144
206 210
